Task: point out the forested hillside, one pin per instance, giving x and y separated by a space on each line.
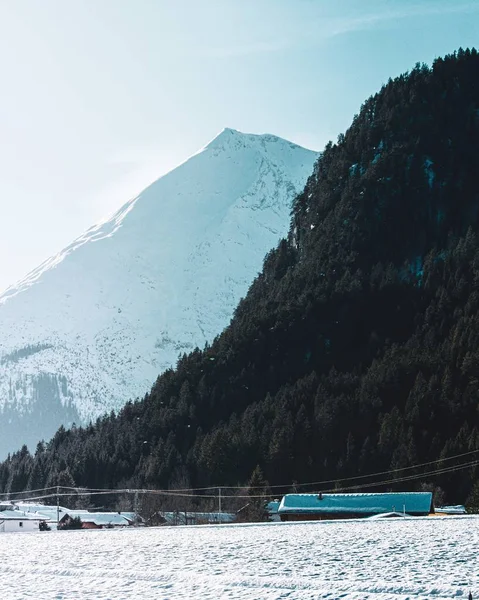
356 349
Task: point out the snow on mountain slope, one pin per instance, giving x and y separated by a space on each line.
93 326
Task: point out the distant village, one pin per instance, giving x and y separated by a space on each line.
24 516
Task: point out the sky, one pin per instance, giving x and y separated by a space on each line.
98 98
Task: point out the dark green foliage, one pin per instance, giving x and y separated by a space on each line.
259 493
356 349
473 500
48 400
71 523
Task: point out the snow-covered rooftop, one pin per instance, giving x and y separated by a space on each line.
457 509
44 512
191 518
18 515
409 502
101 518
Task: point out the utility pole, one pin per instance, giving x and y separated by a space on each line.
219 505
58 505
136 505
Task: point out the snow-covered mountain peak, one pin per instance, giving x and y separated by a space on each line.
229 137
94 325
232 139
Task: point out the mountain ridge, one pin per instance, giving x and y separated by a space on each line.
354 353
160 276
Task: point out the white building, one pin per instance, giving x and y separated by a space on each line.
90 520
18 521
45 512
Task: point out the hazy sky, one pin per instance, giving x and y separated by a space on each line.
100 97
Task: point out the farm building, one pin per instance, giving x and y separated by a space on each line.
44 511
458 509
90 520
98 520
14 520
194 518
311 507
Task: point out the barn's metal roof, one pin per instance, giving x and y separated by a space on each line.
48 513
100 518
368 504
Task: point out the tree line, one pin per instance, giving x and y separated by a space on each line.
356 349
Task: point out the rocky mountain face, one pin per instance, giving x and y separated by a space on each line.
95 325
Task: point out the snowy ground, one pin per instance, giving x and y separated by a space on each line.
433 558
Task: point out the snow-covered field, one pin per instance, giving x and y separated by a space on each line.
433 558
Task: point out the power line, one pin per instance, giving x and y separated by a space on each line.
181 494
324 482
450 469
317 483
52 487
356 477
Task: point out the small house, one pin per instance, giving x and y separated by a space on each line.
14 520
314 507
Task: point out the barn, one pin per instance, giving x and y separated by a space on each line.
98 520
315 507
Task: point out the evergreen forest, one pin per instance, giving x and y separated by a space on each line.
356 349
